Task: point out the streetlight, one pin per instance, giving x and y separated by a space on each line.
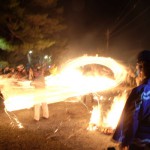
29 56
30 52
46 56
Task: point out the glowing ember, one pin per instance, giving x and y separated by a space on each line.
14 120
69 83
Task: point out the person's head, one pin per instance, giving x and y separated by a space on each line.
12 69
20 67
6 68
143 61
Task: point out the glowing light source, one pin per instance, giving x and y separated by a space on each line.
46 57
30 52
114 114
112 117
69 82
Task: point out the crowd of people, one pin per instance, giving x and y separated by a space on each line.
134 76
21 71
36 75
28 73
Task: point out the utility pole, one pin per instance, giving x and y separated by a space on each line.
107 39
29 57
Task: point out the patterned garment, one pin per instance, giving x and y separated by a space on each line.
134 124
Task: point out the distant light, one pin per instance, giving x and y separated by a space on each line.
30 52
46 56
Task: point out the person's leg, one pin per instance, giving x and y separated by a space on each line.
37 108
45 110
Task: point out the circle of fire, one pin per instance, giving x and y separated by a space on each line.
69 82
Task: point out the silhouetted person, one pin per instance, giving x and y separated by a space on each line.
133 130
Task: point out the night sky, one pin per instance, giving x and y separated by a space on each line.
119 28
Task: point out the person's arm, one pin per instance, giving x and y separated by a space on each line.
128 123
131 117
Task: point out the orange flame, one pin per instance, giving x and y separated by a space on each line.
112 117
69 82
95 120
115 112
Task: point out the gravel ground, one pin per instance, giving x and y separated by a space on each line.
66 129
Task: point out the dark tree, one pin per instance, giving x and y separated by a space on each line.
31 25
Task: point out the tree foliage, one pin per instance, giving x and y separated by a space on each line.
26 25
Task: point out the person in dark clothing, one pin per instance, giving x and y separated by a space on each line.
133 129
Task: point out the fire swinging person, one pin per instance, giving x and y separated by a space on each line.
39 84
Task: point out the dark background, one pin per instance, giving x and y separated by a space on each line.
113 28
117 28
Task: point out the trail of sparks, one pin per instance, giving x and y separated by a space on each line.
14 120
69 82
